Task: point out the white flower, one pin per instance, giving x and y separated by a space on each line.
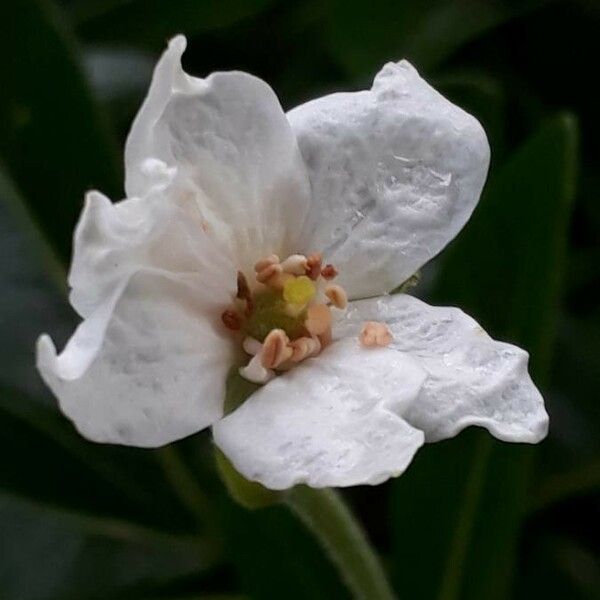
220 178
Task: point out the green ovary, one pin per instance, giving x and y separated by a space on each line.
270 312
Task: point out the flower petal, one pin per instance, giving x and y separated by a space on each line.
331 421
228 136
395 171
162 231
146 368
472 379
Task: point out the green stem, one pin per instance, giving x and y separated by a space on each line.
331 522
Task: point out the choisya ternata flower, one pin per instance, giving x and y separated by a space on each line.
248 237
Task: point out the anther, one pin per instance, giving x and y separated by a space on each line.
243 292
268 273
337 296
243 289
304 347
231 319
262 264
329 272
313 266
251 346
318 319
255 372
295 264
275 349
374 333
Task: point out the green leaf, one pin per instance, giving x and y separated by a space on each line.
53 554
580 480
426 34
43 458
461 504
560 568
32 300
53 138
110 510
513 287
153 21
484 97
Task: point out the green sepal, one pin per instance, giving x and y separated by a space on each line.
237 390
249 494
412 282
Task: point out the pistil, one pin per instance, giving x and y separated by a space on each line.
286 315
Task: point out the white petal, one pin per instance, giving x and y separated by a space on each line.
472 379
395 172
163 231
331 421
228 136
150 371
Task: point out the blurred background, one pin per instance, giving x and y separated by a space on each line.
472 518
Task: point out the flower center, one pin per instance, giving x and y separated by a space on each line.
285 317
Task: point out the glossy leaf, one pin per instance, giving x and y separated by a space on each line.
426 34
461 504
42 458
33 295
152 22
53 138
50 554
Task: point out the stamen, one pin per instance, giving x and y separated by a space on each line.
329 272
337 296
326 338
251 346
275 349
270 272
231 319
304 347
318 319
288 318
313 266
243 289
263 263
295 264
255 372
374 333
244 293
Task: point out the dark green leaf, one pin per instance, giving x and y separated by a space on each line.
425 34
482 96
43 458
32 300
461 504
156 20
50 554
53 138
560 568
514 285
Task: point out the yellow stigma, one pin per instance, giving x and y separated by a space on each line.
299 290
